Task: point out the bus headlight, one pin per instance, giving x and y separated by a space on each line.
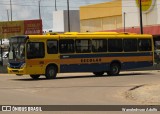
23 65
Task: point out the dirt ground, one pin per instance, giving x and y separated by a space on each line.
145 94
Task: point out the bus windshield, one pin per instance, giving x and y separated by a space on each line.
17 48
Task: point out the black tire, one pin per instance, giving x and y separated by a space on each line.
98 73
35 77
114 69
19 74
51 72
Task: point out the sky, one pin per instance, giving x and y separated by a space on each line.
29 9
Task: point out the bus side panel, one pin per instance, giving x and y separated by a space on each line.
133 65
95 67
101 62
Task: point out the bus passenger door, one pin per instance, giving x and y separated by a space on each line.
35 57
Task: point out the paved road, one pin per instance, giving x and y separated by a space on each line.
75 89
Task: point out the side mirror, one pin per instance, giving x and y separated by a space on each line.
5 56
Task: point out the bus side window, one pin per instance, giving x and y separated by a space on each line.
99 45
52 46
115 45
66 46
35 50
130 45
144 45
83 46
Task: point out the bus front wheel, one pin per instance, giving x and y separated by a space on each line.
35 77
51 72
114 69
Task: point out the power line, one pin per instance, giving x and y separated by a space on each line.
48 6
74 6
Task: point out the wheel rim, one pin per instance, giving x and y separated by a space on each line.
115 70
51 72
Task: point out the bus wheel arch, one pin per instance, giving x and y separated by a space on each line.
98 73
51 71
35 77
114 69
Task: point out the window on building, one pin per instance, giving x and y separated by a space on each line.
144 45
66 45
52 46
115 45
99 45
130 45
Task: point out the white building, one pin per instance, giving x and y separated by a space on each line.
151 12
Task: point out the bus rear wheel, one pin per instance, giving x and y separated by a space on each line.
51 72
98 73
35 77
114 69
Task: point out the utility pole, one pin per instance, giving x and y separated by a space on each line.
140 11
11 9
7 15
55 5
124 18
39 2
68 16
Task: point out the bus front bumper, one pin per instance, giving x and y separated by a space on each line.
16 71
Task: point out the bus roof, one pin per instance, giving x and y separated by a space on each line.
78 35
95 33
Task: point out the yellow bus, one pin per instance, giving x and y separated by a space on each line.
98 52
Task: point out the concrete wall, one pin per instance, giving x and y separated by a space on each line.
100 24
60 21
74 21
3 69
103 16
101 10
